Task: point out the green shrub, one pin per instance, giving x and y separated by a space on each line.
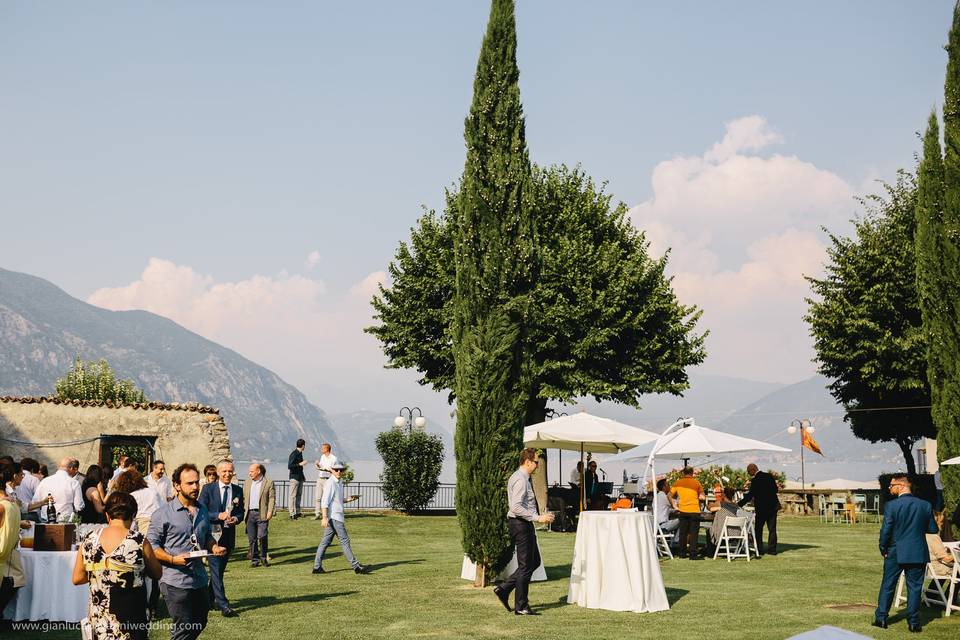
411 467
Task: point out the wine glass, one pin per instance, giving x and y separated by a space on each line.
216 530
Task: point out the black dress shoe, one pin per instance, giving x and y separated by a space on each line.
882 624
526 612
503 597
254 564
319 570
914 628
361 569
229 613
264 562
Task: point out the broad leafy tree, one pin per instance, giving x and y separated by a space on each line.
605 320
867 327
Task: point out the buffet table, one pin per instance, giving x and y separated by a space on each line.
615 563
49 593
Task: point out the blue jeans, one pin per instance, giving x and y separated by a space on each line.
339 529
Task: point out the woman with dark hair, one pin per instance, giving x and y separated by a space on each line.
114 560
92 490
148 500
209 475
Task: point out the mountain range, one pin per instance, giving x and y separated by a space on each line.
42 330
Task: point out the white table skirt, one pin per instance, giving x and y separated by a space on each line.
615 563
468 570
48 592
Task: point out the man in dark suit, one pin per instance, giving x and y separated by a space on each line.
766 506
224 502
906 521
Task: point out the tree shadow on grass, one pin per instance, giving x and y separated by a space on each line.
247 604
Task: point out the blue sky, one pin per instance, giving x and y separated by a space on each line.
230 140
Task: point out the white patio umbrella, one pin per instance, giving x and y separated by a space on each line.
685 439
585 432
952 461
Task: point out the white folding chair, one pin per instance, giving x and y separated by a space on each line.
938 590
751 517
823 508
663 543
734 530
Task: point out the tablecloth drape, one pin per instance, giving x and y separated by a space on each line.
615 563
49 593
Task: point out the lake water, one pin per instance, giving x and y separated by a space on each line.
370 470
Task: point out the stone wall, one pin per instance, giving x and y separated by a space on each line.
184 432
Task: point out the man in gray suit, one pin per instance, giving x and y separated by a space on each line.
260 497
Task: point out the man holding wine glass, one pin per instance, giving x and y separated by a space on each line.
180 534
224 503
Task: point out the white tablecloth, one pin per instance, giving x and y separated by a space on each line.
49 593
615 563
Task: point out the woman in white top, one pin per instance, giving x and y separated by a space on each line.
148 500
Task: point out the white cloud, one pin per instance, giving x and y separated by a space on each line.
289 323
369 285
743 230
313 259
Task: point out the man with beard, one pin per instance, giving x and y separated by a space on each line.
178 528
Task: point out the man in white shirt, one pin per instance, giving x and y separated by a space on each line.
327 460
67 497
576 474
122 465
664 507
159 482
28 486
331 506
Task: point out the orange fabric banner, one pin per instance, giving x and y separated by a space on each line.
810 443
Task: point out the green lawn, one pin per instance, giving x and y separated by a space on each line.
415 590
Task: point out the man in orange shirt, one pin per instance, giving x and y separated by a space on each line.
688 492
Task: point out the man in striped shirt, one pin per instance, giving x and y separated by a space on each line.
521 515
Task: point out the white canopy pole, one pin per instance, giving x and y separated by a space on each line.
676 426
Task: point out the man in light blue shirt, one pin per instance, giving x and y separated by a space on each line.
331 506
178 528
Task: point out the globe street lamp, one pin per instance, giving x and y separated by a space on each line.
801 427
408 421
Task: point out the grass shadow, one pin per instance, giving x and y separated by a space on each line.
246 604
558 572
384 565
794 546
674 595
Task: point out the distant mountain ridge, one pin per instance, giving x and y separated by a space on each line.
42 330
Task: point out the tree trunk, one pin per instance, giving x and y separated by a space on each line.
906 446
480 578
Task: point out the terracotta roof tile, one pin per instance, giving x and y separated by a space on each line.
168 406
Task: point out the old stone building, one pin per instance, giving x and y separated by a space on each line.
47 429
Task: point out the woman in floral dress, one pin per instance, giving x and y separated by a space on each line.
113 560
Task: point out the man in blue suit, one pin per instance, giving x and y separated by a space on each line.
224 502
906 521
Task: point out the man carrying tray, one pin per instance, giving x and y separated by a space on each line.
180 536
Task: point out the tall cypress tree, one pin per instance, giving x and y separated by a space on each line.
945 322
493 251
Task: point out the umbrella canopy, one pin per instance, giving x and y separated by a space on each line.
585 432
692 440
952 461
